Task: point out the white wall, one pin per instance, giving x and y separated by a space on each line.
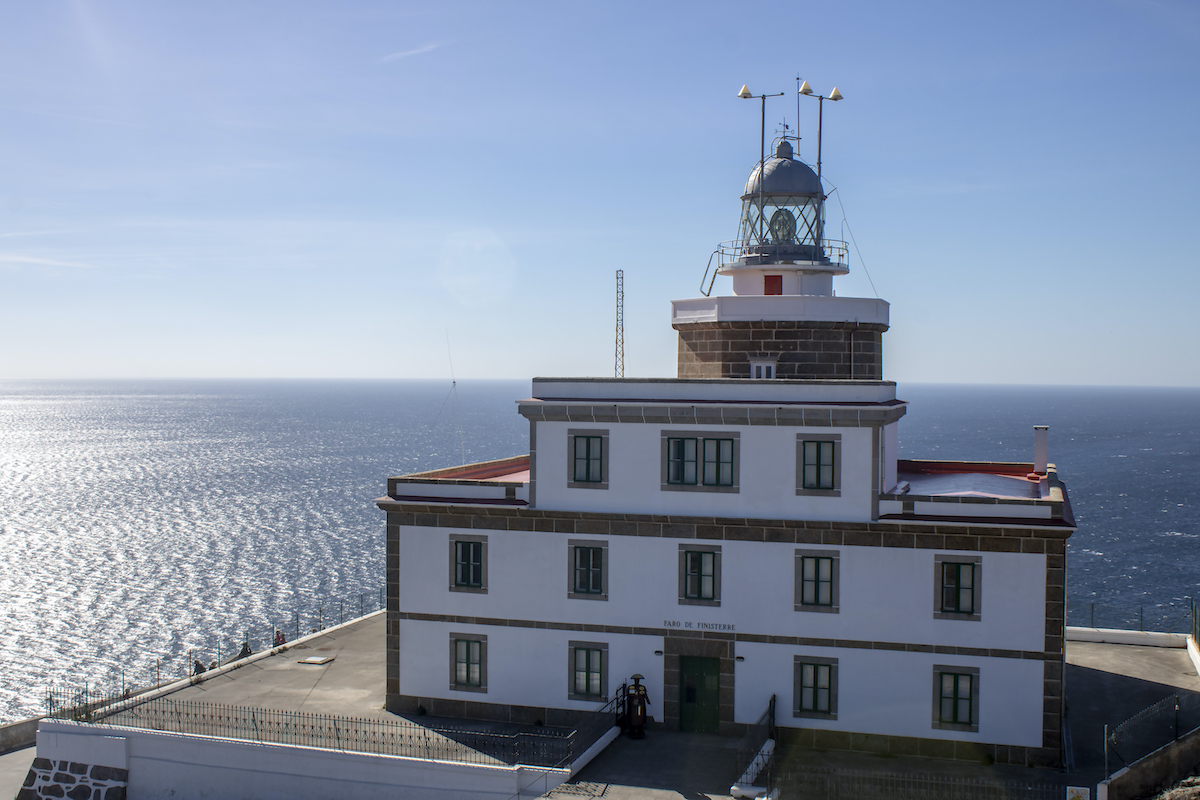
163 765
767 479
888 692
891 448
886 594
525 666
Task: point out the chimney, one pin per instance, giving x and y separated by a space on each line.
1040 433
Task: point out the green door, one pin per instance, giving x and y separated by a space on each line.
699 694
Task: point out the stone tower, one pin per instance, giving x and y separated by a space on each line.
783 319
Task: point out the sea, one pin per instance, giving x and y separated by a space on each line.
148 524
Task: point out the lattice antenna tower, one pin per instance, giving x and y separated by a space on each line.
619 369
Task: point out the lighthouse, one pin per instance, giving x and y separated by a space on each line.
784 319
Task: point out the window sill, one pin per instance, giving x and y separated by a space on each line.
586 596
697 487
587 484
952 615
459 687
693 601
814 715
955 726
469 589
588 698
816 608
818 493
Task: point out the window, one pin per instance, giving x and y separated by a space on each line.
817 580
958 588
718 462
588 671
699 575
681 461
468 563
587 459
587 567
468 662
773 284
956 698
762 370
815 690
701 461
958 583
818 467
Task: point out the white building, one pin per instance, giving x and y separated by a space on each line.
741 531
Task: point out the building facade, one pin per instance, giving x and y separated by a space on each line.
742 531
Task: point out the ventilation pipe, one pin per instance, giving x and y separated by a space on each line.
1040 434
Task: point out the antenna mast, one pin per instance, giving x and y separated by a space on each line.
619 369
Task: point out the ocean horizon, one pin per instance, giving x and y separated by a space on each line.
145 522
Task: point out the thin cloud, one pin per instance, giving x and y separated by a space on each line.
6 258
416 51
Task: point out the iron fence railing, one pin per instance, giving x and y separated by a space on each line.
817 783
596 724
833 250
1165 617
751 744
1152 727
254 636
441 739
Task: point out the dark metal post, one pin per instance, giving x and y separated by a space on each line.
1106 751
1093 615
1141 618
820 121
762 161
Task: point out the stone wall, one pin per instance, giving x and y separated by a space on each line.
847 350
73 780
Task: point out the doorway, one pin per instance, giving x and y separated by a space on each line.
699 694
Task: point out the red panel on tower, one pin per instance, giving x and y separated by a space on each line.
772 284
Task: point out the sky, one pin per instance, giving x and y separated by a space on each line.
410 190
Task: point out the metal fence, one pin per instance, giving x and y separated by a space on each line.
1151 728
441 740
1166 617
254 636
752 742
815 783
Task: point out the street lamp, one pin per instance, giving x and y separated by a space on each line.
806 90
745 94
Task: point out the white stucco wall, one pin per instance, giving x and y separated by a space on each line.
766 481
891 448
525 666
886 594
163 765
888 692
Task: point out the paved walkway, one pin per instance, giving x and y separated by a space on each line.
350 686
13 769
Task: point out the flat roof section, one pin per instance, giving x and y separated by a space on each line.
504 470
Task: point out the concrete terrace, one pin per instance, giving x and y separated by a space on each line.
1106 683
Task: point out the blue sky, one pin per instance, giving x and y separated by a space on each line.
314 189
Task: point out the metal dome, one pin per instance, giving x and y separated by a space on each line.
785 176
